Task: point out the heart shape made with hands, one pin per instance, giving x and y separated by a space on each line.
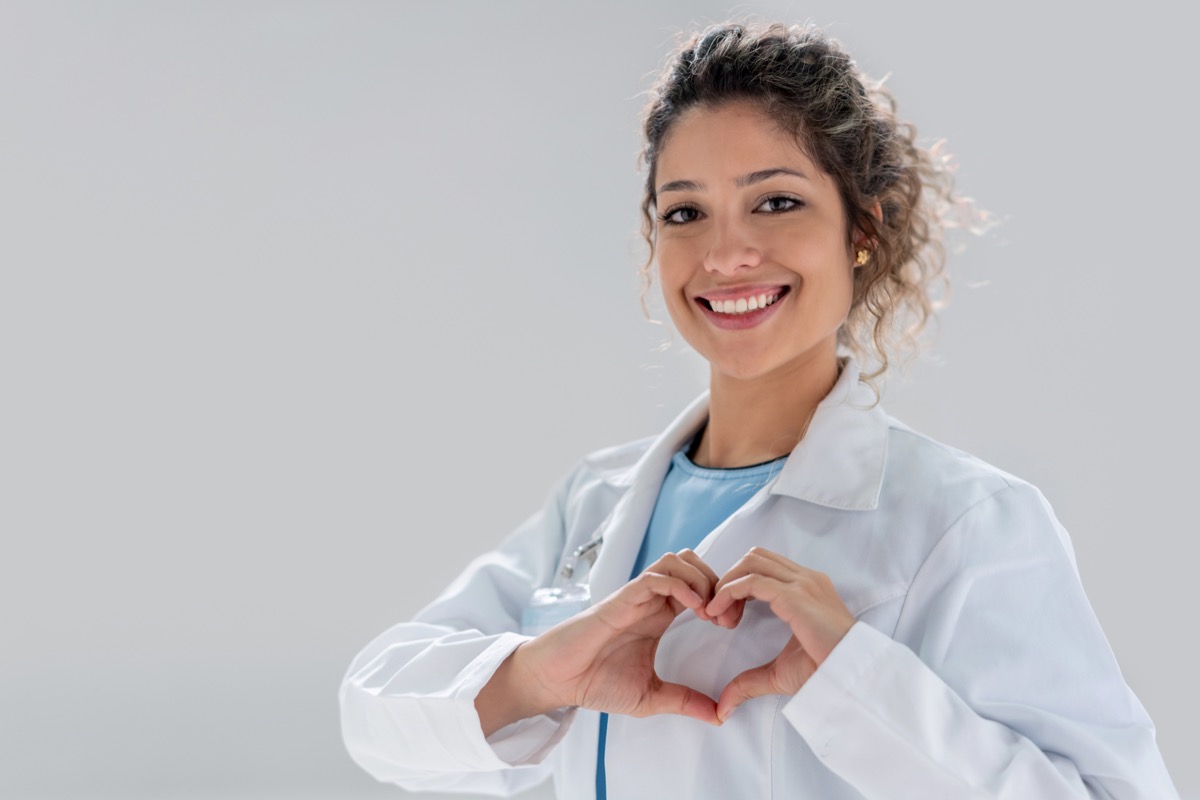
802 598
603 658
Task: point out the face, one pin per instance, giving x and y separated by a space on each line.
752 248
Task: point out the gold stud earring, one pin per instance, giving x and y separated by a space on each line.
863 257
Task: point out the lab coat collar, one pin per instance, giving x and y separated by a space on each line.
625 527
840 461
838 464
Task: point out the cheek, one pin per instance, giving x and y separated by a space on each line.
831 289
827 278
841 295
671 262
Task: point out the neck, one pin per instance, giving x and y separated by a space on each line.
752 421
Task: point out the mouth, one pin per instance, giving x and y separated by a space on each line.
738 309
743 303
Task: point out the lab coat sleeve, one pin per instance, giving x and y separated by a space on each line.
408 699
998 683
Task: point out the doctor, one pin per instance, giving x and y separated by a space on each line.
796 596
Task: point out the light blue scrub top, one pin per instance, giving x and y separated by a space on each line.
691 503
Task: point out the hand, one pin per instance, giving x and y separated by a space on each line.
603 658
803 598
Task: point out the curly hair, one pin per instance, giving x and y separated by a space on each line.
807 84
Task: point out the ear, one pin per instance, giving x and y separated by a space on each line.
861 239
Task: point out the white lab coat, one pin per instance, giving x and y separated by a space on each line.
976 669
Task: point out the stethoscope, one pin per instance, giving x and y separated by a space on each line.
567 596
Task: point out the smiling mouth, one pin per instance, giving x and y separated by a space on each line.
743 305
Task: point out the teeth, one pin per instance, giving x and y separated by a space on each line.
743 304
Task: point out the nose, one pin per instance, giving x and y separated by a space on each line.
732 249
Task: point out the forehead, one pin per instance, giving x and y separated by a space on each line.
722 142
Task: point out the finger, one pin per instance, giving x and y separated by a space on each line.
650 584
812 608
674 698
776 566
749 564
754 682
731 617
687 566
695 560
783 561
762 562
710 576
753 586
790 591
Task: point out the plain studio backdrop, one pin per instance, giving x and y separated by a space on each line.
277 276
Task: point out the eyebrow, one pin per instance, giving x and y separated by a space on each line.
742 182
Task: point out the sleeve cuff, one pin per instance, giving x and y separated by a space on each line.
879 718
818 709
524 742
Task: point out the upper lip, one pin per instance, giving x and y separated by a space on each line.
745 290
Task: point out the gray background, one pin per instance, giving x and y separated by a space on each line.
278 277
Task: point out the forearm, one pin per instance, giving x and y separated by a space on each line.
513 693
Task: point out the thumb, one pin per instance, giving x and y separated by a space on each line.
754 682
675 698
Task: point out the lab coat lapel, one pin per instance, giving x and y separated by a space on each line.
627 524
838 464
841 459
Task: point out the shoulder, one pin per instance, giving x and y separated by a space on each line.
966 498
613 465
918 461
593 485
951 482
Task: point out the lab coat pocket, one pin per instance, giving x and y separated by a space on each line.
878 606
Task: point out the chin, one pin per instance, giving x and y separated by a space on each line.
765 365
742 370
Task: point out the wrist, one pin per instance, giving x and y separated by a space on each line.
530 684
833 638
513 693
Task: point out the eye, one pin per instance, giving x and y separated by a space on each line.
779 204
679 215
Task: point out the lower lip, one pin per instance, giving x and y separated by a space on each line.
739 322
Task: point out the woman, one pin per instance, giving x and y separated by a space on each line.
823 603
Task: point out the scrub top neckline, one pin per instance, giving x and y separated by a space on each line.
681 461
